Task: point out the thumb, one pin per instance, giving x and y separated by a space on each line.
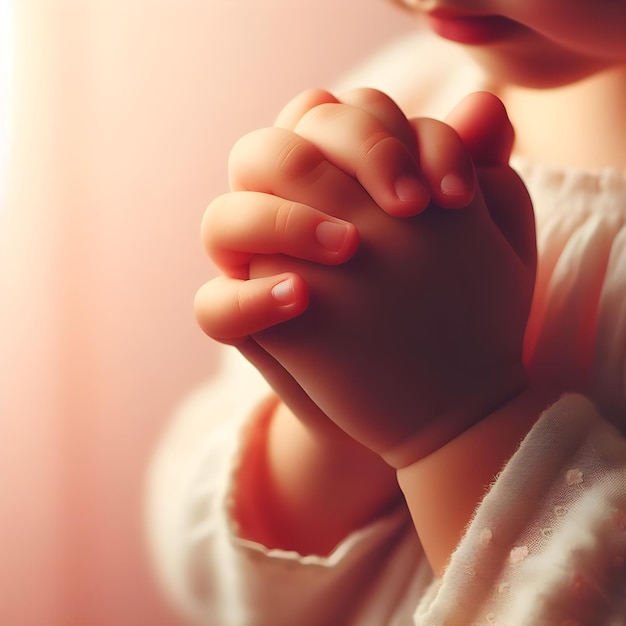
484 126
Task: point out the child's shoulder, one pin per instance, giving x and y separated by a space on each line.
425 74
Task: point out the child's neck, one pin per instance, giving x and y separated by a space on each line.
581 125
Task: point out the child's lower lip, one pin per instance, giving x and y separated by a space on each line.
470 29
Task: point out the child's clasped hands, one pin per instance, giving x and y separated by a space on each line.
377 270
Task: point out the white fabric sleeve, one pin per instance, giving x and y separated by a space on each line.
214 577
547 546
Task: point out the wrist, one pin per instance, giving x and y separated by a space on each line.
443 489
465 406
299 489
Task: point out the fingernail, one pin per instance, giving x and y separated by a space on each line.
332 235
409 189
283 292
453 184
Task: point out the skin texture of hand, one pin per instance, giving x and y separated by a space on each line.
264 216
254 219
419 335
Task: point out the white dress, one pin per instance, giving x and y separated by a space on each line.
547 545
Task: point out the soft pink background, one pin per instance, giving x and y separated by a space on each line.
124 112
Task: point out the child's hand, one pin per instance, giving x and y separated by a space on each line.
279 178
420 334
397 162
287 188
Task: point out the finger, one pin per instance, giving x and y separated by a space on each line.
294 110
373 101
484 126
362 146
229 310
238 226
376 104
282 163
385 110
445 162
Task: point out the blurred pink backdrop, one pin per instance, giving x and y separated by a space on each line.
123 115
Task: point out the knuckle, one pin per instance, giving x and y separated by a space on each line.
273 153
322 115
213 219
383 108
301 104
250 155
242 149
366 134
215 208
375 144
317 94
440 149
444 132
298 160
370 96
285 214
242 302
312 98
203 312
